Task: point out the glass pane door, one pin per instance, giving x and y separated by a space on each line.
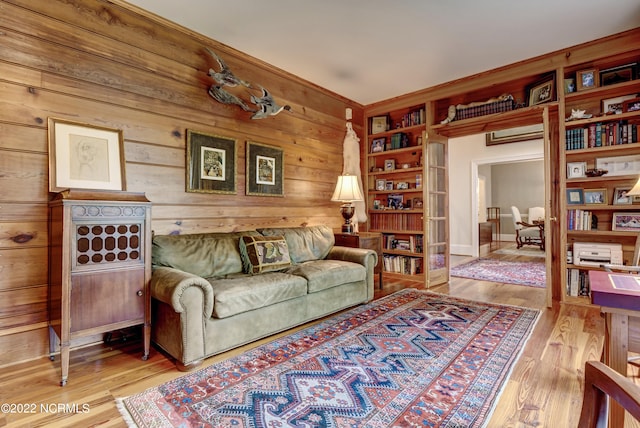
436 211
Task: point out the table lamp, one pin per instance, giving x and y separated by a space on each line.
635 190
347 191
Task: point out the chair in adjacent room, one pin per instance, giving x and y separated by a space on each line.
527 233
601 384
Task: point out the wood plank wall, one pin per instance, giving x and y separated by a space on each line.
110 64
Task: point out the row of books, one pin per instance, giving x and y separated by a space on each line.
579 220
416 117
413 243
402 264
601 134
578 282
397 221
399 140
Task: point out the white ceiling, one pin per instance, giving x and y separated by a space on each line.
371 50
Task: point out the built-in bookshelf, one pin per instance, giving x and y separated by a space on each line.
600 133
395 193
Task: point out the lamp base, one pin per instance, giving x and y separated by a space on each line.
347 210
347 228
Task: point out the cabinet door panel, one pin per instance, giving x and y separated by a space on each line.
107 297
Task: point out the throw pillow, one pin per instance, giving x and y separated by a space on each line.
264 253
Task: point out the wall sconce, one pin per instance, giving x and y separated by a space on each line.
347 191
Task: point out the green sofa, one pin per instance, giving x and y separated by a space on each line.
210 293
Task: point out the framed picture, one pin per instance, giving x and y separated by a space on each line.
620 196
631 105
569 86
402 185
576 169
542 92
211 163
626 221
379 124
623 73
84 156
265 170
389 164
377 145
595 196
388 185
575 197
587 79
615 105
395 201
620 165
513 135
381 184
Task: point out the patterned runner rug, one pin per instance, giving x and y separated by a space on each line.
414 358
484 269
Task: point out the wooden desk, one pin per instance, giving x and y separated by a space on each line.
367 240
618 294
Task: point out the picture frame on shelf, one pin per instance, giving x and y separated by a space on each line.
377 145
587 79
620 165
542 92
85 156
264 170
619 74
569 85
620 196
631 105
575 197
402 185
379 124
626 221
416 203
381 184
395 201
595 196
615 105
388 185
576 169
389 164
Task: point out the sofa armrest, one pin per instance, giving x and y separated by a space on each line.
356 255
170 286
365 257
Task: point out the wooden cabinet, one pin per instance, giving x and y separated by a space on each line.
593 211
99 267
395 191
367 240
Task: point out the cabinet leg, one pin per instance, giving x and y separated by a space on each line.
53 343
64 362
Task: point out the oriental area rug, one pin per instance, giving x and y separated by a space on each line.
485 269
414 358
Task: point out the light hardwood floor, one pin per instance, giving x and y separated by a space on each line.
544 389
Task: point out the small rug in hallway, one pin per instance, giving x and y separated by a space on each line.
484 269
413 358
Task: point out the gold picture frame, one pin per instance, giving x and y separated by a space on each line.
211 163
85 156
587 79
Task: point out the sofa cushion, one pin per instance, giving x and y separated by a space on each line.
323 274
305 243
203 254
264 253
241 293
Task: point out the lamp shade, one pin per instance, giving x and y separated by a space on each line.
635 190
347 189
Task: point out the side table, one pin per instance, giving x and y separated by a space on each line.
366 240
